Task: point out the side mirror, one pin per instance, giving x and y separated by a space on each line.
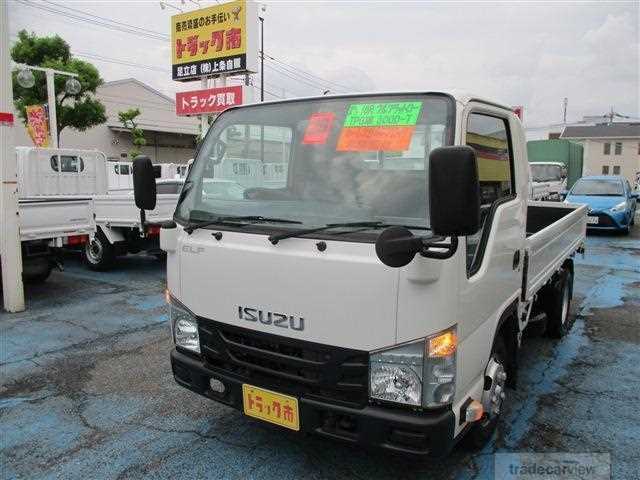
144 183
454 191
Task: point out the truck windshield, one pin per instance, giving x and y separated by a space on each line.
610 188
320 161
546 173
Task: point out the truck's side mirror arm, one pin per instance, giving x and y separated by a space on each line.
397 246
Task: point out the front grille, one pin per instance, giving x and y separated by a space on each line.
293 366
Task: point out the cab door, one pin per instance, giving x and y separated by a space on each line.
494 255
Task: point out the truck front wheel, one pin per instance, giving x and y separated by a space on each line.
99 254
493 396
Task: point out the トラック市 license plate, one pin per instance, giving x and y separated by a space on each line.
271 406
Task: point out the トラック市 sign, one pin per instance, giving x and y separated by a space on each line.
213 41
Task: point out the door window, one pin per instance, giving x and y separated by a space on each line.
69 163
489 136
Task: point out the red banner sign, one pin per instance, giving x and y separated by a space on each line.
38 125
211 100
6 118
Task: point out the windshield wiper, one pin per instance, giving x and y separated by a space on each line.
234 219
365 225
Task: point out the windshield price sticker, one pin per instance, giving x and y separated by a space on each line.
383 114
373 139
318 128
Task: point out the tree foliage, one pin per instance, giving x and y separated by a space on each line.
80 111
128 120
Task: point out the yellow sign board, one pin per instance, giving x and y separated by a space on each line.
271 406
212 41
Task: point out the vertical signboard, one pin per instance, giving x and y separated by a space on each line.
217 40
38 125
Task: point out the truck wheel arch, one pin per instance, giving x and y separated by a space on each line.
508 327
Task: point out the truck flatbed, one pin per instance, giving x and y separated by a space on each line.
555 231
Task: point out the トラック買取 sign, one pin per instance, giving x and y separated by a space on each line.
221 39
211 100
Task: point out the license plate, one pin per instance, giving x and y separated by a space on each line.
271 406
592 220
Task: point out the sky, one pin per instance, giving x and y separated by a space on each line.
521 53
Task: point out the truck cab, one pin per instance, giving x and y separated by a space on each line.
372 282
550 178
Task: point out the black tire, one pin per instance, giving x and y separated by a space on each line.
482 430
99 253
557 304
36 270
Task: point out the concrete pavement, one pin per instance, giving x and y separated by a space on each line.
87 389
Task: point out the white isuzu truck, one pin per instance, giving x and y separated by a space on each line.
378 293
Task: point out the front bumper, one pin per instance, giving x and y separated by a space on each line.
390 429
609 221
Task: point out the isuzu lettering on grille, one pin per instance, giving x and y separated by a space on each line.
281 320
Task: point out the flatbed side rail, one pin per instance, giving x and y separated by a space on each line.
548 248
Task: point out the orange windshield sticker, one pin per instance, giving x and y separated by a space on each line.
372 139
318 128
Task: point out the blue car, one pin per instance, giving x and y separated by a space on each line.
611 202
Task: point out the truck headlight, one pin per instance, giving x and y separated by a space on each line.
184 327
420 373
396 374
619 207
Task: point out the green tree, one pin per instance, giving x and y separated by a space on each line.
80 111
128 120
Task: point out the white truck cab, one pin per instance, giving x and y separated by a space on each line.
377 292
548 180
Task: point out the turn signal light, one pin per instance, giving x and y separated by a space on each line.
443 345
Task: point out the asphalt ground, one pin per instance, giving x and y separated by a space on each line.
87 391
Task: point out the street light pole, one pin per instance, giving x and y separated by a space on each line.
51 97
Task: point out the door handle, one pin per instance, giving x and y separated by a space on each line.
516 259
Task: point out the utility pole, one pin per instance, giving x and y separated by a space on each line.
10 251
564 110
261 58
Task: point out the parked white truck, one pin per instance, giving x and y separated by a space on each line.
65 200
379 295
55 207
548 180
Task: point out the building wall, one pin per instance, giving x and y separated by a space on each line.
628 160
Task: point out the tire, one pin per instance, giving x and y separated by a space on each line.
557 304
482 430
99 254
36 270
162 256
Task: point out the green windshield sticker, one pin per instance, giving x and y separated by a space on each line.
383 114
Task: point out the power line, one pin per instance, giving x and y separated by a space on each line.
88 18
297 79
306 73
107 19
